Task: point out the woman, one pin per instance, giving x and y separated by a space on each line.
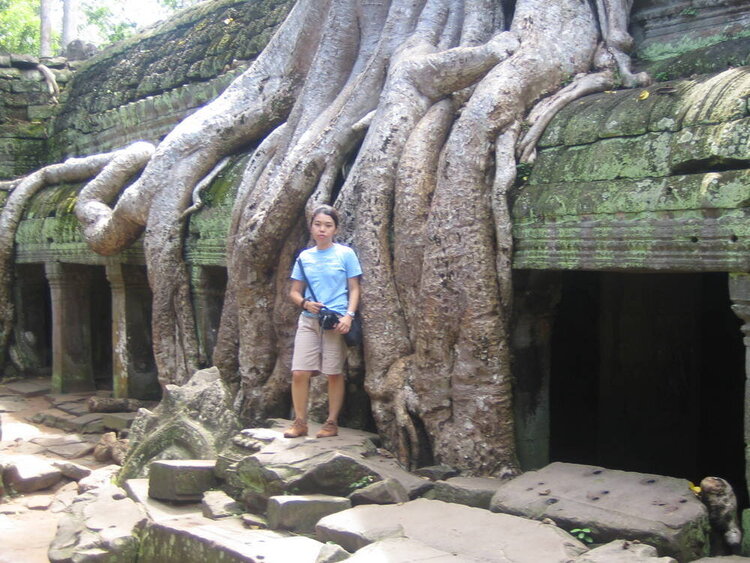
325 276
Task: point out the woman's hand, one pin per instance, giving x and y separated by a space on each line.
313 307
345 323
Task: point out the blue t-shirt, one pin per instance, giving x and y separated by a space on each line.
328 271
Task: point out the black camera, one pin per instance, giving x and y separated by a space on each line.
327 319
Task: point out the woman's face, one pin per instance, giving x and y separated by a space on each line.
323 229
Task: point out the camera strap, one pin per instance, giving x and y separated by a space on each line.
309 285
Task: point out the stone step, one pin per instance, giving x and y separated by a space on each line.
657 510
181 480
470 533
195 539
56 418
118 420
29 387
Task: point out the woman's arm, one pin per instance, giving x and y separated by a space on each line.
345 322
297 295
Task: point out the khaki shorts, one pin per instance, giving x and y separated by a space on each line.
314 351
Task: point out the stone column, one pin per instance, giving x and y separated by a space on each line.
536 297
72 365
133 366
739 293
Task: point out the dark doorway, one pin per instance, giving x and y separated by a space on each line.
648 375
101 328
32 333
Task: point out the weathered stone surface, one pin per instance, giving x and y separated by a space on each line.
622 551
98 478
137 489
331 553
218 504
195 539
26 474
406 550
723 559
471 491
181 480
436 472
451 528
29 387
300 513
69 446
193 421
388 491
254 521
72 470
118 420
98 524
39 502
660 511
334 466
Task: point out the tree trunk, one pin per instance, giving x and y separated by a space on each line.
406 114
45 30
70 23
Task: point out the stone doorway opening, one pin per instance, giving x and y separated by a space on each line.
31 350
648 375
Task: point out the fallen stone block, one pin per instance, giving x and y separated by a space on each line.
195 539
437 472
99 477
101 523
38 502
405 550
29 474
451 528
300 513
388 491
118 420
29 387
660 511
88 423
156 510
72 470
333 466
623 551
181 479
471 491
218 504
254 521
69 446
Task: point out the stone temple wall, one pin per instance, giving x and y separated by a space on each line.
140 88
26 106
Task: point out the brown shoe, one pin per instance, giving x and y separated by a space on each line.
328 430
297 429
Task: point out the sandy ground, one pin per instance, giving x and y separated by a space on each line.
26 526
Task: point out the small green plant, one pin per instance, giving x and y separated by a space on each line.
689 12
523 171
583 534
363 482
661 76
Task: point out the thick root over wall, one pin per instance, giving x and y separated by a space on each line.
405 114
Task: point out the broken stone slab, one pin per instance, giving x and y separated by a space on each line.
38 502
452 528
54 418
437 472
335 466
195 539
623 551
181 479
26 474
156 510
406 550
76 408
98 478
254 521
388 491
72 470
64 497
660 511
300 513
67 446
105 520
118 420
29 387
218 504
88 423
471 491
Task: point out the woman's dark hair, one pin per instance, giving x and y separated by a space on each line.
326 210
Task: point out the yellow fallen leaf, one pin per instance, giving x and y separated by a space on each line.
694 488
643 95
